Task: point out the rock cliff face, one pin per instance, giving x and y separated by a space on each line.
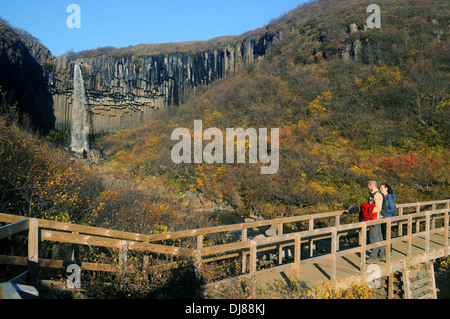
124 92
22 78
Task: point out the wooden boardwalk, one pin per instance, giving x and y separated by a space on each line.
348 265
326 250
348 268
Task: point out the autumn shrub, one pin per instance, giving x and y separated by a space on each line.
444 263
411 165
415 169
40 181
154 283
328 291
292 289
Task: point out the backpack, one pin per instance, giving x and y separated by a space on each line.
384 206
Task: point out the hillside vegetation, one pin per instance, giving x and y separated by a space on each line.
38 179
382 114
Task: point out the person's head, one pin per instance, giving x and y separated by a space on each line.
372 185
386 189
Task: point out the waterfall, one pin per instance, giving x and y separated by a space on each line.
79 123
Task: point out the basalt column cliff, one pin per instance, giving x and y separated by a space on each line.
124 92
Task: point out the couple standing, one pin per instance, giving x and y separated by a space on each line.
384 201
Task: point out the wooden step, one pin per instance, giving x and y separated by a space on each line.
396 288
426 296
419 282
416 293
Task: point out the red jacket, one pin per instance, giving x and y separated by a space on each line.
366 211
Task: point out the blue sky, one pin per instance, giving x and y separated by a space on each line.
123 23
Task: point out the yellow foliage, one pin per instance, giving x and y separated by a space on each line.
322 189
360 171
384 77
321 102
392 74
210 118
329 291
303 124
159 229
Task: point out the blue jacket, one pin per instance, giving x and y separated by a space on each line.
391 205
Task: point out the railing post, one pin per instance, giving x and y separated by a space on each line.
427 232
297 255
200 241
360 237
244 256
418 220
363 240
311 242
433 222
253 268
198 262
280 249
390 286
334 239
400 224
145 264
337 223
123 257
33 250
388 246
446 231
253 258
409 240
75 250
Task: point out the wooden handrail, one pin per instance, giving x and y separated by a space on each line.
334 230
437 202
43 223
14 228
87 235
195 232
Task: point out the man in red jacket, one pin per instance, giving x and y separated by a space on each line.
375 234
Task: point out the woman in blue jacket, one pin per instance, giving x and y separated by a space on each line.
389 195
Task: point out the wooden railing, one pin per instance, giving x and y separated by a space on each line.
46 230
206 251
428 217
296 239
